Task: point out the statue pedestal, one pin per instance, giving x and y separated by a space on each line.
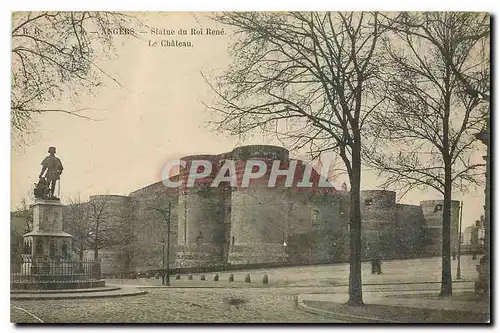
47 240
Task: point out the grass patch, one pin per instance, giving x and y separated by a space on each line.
462 296
400 314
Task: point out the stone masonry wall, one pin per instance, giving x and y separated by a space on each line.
201 227
378 216
150 227
318 226
409 230
433 215
258 220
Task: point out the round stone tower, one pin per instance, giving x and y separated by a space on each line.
433 225
116 207
378 216
257 211
200 217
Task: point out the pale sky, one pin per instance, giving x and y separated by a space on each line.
157 117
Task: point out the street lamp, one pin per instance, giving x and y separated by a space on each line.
166 216
459 239
163 262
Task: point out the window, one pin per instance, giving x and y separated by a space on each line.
199 239
438 208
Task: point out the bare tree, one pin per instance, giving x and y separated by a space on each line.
426 137
25 211
53 57
93 225
88 223
307 79
77 223
99 215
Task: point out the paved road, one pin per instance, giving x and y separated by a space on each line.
275 303
193 305
175 305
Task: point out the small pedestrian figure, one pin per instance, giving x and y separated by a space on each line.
377 263
378 266
374 266
372 259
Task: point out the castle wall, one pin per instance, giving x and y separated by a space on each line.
149 227
110 261
409 230
258 213
378 216
433 227
114 213
115 227
201 219
258 224
317 228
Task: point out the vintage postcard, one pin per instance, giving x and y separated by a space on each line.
250 167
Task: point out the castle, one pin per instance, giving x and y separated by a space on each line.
260 224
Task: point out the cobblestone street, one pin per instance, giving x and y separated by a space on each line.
174 305
208 301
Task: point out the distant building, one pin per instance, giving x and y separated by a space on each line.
471 236
473 239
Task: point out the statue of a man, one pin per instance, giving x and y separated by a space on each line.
54 168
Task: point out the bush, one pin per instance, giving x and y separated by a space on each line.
216 277
265 279
190 276
247 278
231 277
202 277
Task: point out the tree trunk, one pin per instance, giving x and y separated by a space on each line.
446 280
487 227
96 242
355 284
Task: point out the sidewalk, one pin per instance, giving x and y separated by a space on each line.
109 291
338 288
403 306
419 270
